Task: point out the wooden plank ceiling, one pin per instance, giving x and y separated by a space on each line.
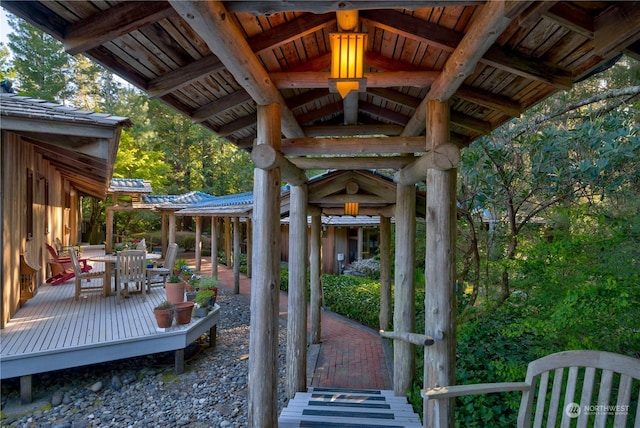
215 61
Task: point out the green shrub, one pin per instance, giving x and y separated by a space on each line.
355 297
188 243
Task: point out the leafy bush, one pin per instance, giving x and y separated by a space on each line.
188 243
353 296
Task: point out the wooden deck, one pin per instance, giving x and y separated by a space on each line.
53 331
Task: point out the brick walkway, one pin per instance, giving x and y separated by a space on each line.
350 355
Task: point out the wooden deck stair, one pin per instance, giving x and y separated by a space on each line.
347 408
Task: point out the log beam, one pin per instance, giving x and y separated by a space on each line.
351 163
443 157
412 338
348 146
267 158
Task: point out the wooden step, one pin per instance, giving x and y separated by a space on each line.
348 408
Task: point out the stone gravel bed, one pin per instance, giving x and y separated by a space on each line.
145 391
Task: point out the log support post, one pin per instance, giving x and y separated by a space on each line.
265 283
109 232
315 268
404 292
164 231
172 228
236 255
248 235
198 243
214 247
26 394
296 365
385 272
227 242
439 359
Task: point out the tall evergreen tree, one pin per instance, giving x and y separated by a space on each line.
41 64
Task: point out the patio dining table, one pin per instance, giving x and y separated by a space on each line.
109 261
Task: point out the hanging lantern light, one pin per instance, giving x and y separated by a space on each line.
351 208
347 63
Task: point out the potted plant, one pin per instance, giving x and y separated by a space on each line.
179 265
192 284
175 289
202 301
164 314
209 283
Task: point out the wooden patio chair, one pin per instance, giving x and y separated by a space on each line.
62 267
80 275
157 276
131 266
593 387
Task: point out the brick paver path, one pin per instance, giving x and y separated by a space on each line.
351 355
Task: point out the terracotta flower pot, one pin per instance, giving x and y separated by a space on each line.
164 317
183 312
175 292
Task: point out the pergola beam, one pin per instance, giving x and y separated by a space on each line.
351 163
348 146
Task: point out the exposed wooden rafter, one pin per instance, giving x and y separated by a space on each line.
490 23
112 23
222 36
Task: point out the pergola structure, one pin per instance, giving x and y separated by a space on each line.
436 75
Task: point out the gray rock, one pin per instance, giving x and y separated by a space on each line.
56 398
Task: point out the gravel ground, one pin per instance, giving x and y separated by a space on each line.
145 391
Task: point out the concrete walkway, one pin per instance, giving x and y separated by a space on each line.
350 355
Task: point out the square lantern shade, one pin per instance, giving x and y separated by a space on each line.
351 208
347 63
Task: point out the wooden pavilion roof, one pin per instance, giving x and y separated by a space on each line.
215 61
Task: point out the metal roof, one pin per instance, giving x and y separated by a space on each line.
130 185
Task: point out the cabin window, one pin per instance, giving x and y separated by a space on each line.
29 204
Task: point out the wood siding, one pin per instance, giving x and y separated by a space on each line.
52 220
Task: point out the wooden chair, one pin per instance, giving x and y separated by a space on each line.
158 276
62 267
593 387
80 275
131 268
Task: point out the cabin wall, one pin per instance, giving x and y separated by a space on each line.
50 218
334 241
